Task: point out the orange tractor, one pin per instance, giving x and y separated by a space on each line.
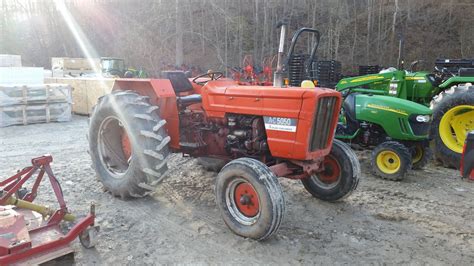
261 132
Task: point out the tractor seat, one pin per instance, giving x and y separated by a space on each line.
351 122
178 80
349 107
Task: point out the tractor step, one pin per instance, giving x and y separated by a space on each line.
191 145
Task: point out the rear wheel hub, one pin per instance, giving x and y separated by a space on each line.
454 126
126 147
114 147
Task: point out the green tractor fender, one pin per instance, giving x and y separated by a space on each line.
455 81
396 116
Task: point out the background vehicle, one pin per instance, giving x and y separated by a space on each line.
116 67
467 160
397 130
448 91
262 132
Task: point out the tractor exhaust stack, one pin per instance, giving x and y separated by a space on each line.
278 76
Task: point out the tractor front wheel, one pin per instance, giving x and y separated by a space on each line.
391 160
128 144
250 198
453 118
339 177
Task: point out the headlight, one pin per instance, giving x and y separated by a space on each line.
423 118
393 88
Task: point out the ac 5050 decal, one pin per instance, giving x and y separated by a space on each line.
280 123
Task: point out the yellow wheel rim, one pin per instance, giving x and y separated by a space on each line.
454 126
388 162
418 154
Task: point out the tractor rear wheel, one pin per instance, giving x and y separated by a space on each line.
391 160
453 118
250 198
340 176
128 144
421 155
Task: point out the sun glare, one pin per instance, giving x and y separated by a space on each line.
81 39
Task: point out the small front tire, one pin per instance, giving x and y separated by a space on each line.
391 160
340 176
250 198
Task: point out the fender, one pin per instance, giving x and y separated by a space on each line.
455 81
161 94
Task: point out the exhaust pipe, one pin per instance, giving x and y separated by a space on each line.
278 75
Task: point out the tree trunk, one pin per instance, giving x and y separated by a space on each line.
179 56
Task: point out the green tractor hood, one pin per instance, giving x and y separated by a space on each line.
396 116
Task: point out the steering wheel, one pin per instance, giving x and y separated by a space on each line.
444 71
210 75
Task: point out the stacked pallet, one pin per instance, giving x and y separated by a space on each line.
328 73
366 70
10 60
28 104
86 91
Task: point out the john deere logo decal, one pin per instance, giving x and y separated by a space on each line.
368 78
280 123
386 108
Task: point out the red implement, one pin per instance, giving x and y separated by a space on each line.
31 233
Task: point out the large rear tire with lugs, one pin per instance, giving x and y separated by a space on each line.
250 198
340 176
453 117
128 144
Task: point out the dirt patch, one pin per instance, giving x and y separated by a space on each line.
425 219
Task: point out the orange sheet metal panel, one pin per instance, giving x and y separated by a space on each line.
161 93
306 121
297 104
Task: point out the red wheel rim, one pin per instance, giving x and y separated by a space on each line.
126 147
246 199
331 172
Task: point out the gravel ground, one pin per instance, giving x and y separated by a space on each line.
425 219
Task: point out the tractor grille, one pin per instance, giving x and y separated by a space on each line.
419 129
323 120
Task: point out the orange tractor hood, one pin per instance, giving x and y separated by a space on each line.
292 110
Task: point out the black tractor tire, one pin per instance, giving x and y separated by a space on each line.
340 177
421 155
137 172
211 164
442 103
401 159
261 194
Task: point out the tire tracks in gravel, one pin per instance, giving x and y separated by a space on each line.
176 198
151 217
194 213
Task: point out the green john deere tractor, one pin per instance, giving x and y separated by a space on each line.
448 91
115 67
396 129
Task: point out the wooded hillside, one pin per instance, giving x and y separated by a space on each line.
219 33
